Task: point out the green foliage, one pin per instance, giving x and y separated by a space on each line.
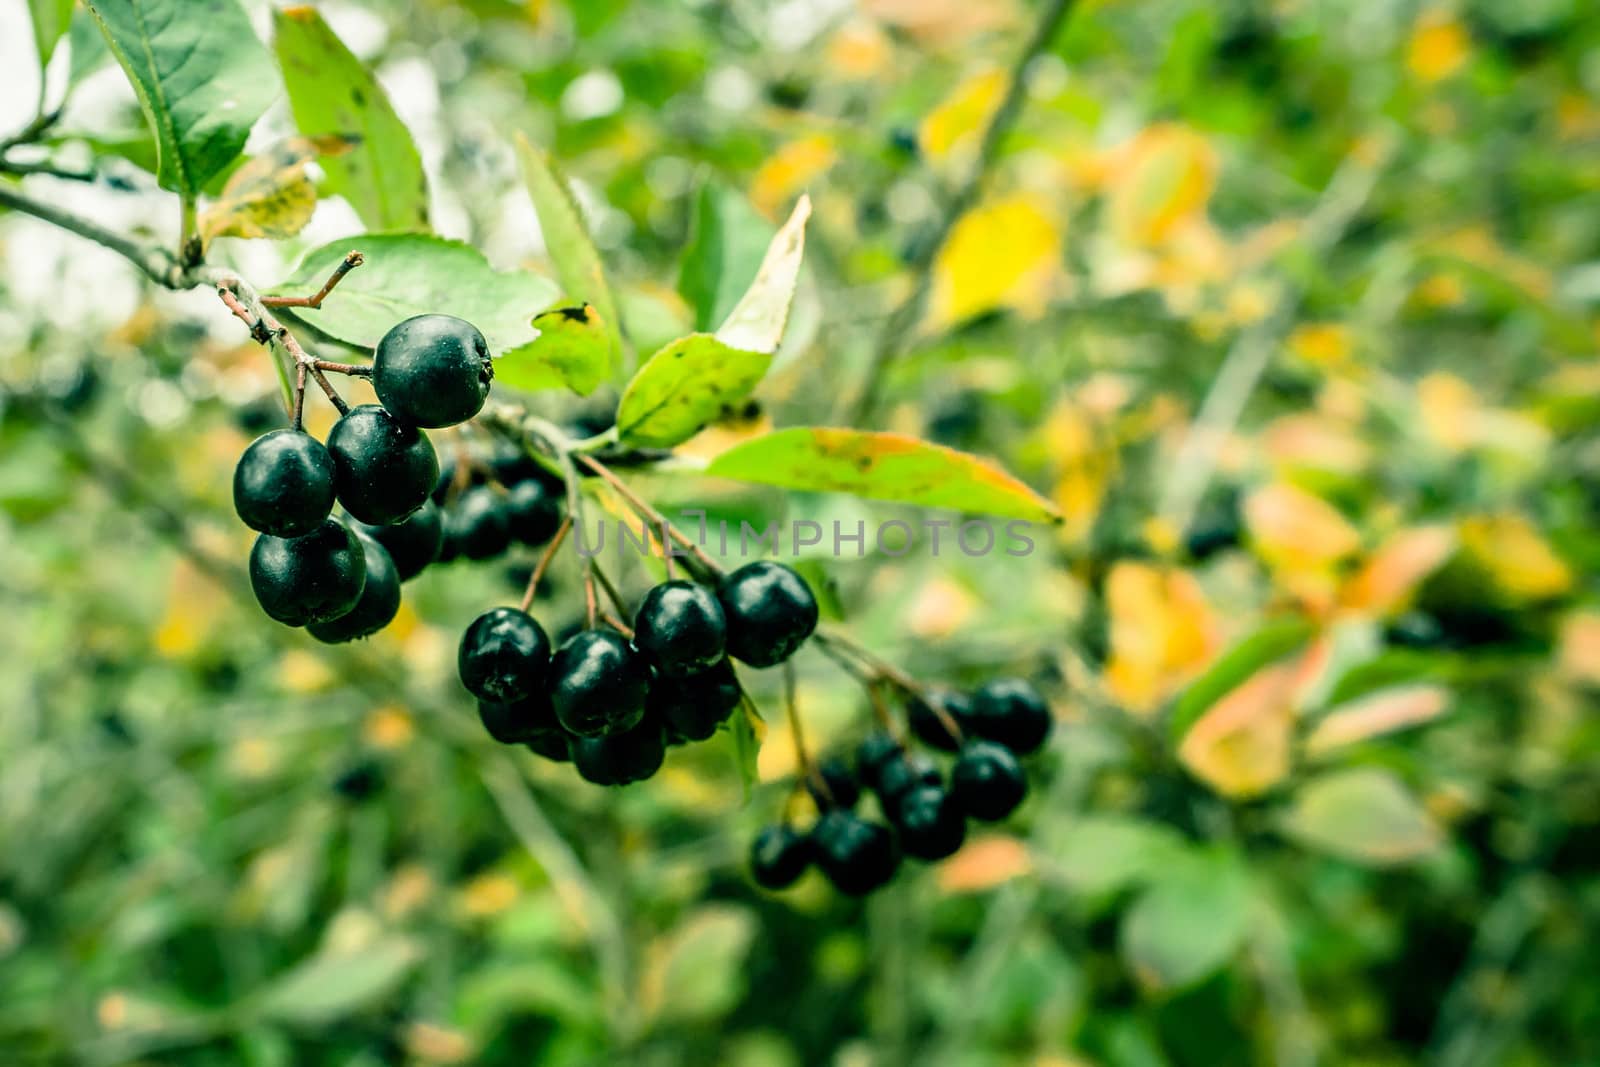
727 242
413 274
880 466
573 349
50 21
685 386
202 82
578 266
333 95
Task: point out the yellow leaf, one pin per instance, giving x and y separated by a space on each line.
1074 439
1326 345
858 50
1376 714
940 609
301 671
983 864
1158 181
790 169
193 603
270 195
1240 747
432 1043
1001 254
489 894
1385 583
1295 530
1579 649
388 728
960 118
1515 556
1438 48
941 22
1306 441
1163 633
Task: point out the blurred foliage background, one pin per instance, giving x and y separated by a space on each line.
1291 307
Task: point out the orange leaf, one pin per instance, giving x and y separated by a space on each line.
983 864
1377 714
1240 747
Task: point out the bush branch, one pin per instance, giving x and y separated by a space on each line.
896 334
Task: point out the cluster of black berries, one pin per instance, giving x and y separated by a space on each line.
342 581
926 814
487 506
611 705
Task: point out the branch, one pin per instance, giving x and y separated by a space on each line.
1247 359
897 328
156 262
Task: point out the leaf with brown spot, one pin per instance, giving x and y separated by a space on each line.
271 195
684 387
331 92
882 466
573 349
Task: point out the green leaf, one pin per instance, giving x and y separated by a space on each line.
684 387
332 94
331 985
1099 854
202 79
1362 814
577 263
573 349
413 274
727 242
50 21
1267 645
88 48
697 971
881 466
746 727
757 321
1188 923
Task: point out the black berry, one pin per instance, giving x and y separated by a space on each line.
694 706
283 484
413 543
620 758
680 628
927 725
533 512
476 525
1011 711
300 580
987 781
432 370
877 750
838 787
360 781
931 823
779 855
598 684
857 856
899 776
380 600
385 468
770 612
554 744
445 483
519 720
504 656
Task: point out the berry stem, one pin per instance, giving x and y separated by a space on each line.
612 594
351 261
617 624
588 594
543 565
247 306
870 678
354 370
797 733
639 504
